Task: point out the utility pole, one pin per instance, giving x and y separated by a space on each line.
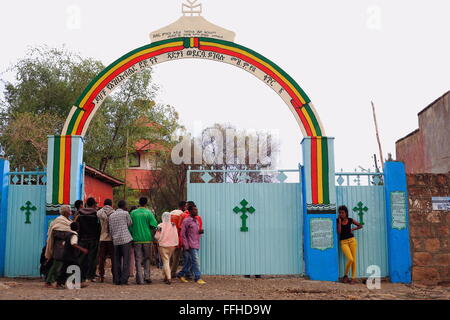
126 170
378 135
376 163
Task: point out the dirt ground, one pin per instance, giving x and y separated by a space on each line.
221 288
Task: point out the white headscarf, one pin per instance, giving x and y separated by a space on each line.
166 217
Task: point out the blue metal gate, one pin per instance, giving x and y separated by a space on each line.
25 223
252 219
363 194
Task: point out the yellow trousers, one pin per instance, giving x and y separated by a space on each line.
166 253
348 247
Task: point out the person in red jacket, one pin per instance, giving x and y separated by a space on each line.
187 214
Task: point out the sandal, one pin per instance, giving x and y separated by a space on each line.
345 279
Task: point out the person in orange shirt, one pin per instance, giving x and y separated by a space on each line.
187 214
183 216
175 217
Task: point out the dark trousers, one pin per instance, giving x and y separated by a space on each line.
175 261
142 255
121 266
54 271
187 263
106 249
88 262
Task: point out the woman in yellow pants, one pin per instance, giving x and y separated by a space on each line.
348 241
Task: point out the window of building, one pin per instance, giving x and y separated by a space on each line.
134 160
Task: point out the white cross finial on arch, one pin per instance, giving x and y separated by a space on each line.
192 8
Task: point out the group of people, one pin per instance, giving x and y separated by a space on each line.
86 237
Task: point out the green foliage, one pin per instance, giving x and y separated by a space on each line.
48 82
168 184
25 143
129 114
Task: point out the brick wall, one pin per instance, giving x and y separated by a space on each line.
430 230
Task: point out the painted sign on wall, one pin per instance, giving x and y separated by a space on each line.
398 205
321 233
441 203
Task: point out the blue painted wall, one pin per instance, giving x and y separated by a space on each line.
4 169
321 265
399 251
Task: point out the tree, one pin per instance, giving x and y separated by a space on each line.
48 80
168 184
225 147
25 142
130 114
47 83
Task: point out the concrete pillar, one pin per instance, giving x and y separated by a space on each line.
64 170
319 196
397 220
4 169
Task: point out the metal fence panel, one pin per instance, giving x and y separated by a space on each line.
25 230
273 243
372 241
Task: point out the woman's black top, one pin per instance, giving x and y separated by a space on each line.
346 230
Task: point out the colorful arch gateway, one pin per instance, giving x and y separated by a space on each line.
208 48
62 189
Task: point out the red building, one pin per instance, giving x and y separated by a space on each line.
142 165
427 149
99 185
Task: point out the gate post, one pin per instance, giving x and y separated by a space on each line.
4 169
319 196
397 222
64 171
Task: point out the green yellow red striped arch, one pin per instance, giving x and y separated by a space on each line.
92 97
85 106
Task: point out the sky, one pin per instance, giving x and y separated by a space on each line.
343 53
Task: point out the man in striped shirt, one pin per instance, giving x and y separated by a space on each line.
119 222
